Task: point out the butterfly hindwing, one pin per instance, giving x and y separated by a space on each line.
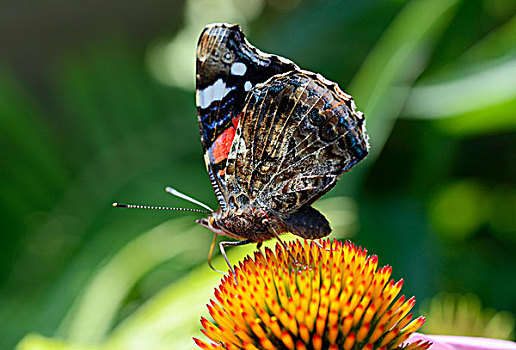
228 67
298 132
275 138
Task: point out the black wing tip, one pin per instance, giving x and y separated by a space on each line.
217 26
221 30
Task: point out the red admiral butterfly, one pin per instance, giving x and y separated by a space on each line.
275 139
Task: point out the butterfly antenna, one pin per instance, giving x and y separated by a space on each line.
152 207
176 193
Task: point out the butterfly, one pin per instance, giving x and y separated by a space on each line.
275 139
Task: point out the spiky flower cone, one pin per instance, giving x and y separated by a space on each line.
334 299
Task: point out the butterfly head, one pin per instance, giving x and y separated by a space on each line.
239 224
212 223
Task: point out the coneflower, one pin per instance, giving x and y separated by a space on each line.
333 297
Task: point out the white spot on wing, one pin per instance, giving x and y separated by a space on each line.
214 92
238 68
248 86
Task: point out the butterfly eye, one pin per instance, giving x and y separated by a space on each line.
212 222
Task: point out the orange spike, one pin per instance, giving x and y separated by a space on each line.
317 342
242 334
257 329
333 332
319 325
275 327
347 323
283 317
266 344
249 346
208 326
404 321
389 337
369 314
359 311
292 325
362 332
333 317
349 342
415 325
304 333
400 339
300 345
287 340
377 333
229 336
386 317
204 345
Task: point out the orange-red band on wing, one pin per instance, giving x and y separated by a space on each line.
220 148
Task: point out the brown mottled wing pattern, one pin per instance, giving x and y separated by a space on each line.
297 134
228 67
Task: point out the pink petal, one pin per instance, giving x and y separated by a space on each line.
451 342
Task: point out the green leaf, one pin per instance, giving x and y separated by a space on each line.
383 82
30 157
499 43
477 93
38 342
104 295
172 318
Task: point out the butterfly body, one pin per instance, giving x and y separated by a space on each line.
276 138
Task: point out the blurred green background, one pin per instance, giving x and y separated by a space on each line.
97 105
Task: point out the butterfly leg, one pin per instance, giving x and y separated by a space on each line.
232 244
211 255
318 244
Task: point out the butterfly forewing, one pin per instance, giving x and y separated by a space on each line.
228 67
298 132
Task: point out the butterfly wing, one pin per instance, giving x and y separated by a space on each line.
228 67
298 132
